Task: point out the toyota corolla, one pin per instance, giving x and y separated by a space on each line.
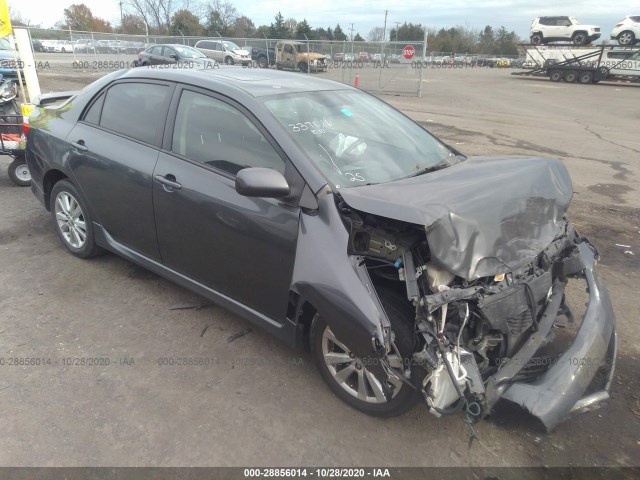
329 218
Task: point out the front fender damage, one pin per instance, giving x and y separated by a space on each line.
338 285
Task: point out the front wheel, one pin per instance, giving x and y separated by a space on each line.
262 62
536 39
228 61
19 172
302 66
580 39
73 221
348 376
555 75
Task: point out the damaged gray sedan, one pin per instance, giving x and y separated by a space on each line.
327 217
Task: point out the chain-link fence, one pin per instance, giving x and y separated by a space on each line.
380 67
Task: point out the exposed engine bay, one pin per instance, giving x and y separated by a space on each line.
465 329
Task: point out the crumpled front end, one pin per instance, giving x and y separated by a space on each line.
561 390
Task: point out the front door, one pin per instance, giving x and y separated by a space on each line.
239 246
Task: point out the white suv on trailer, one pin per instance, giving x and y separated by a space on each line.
562 29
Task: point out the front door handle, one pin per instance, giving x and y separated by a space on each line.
80 145
168 182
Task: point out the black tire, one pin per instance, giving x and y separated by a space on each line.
144 63
19 172
263 62
302 66
580 38
228 61
401 316
555 75
601 74
570 76
537 39
585 77
88 248
626 38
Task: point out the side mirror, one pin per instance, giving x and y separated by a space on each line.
261 182
174 56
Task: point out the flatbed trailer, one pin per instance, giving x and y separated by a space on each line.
583 64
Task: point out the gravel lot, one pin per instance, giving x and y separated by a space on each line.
258 402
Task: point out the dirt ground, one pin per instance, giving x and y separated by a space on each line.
258 402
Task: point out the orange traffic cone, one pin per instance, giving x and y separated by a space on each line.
356 82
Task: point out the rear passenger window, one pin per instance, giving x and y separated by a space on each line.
93 114
212 132
134 110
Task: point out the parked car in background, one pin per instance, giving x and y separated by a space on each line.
85 46
294 55
61 46
37 46
8 64
363 56
224 51
627 31
562 29
173 53
330 219
263 56
338 57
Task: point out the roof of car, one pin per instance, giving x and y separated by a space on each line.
255 82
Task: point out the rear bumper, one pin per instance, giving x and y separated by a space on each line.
560 392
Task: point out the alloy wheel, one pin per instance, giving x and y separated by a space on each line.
350 372
70 220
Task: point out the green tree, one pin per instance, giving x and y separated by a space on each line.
487 41
407 32
278 29
358 38
507 42
183 22
338 34
303 28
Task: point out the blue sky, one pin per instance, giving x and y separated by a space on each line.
367 14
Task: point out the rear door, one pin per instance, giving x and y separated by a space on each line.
242 247
113 151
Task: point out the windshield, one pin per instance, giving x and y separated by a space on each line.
356 139
188 52
231 46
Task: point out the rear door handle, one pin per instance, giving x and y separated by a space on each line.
80 145
168 182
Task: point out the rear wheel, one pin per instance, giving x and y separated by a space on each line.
626 38
348 376
570 76
19 172
585 77
262 62
73 221
555 75
228 61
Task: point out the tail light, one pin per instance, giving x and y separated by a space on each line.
25 125
618 25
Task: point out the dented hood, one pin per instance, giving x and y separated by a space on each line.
484 216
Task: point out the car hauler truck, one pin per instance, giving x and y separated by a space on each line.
583 64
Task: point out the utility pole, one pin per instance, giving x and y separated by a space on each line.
397 28
384 34
121 23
